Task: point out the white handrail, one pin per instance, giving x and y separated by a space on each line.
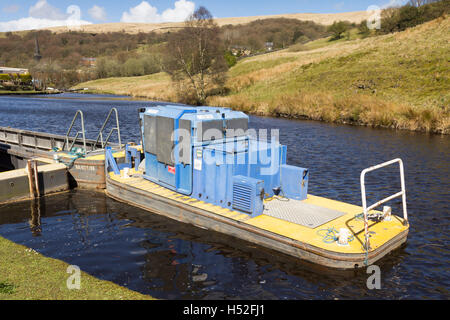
83 132
116 128
364 200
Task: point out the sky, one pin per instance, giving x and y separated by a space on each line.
32 14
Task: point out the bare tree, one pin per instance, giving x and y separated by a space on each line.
195 56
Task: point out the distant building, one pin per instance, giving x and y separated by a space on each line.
269 46
89 62
7 70
240 51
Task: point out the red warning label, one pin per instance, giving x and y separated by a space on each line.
171 169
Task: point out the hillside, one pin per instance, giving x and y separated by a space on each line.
133 28
398 80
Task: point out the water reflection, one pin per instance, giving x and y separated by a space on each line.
35 221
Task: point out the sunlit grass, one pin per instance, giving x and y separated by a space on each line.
6 288
398 81
25 275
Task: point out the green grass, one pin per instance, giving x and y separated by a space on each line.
27 275
324 42
396 81
251 65
6 288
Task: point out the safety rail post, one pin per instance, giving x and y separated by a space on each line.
364 200
80 114
117 128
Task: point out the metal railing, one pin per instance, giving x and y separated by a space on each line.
116 128
40 140
83 132
364 200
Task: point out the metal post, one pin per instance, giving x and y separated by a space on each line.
402 179
66 142
364 204
117 128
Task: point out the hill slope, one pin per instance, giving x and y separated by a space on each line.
399 81
321 18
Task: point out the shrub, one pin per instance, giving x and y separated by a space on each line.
410 15
25 79
231 59
337 29
363 29
281 31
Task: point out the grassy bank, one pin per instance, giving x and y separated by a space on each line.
25 274
396 81
21 92
155 87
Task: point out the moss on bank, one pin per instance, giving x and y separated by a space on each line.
27 275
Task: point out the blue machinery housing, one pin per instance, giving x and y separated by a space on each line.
206 153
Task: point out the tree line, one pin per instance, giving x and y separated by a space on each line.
121 54
395 19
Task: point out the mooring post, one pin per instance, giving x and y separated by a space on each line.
31 180
36 178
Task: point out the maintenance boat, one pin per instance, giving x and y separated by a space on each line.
200 165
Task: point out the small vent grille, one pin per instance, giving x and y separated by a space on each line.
242 197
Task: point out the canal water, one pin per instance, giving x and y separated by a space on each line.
171 260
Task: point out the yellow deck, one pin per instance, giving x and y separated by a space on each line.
381 232
101 156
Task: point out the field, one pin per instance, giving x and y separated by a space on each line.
325 19
398 81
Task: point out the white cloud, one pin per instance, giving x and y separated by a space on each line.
44 15
146 13
183 9
97 13
43 10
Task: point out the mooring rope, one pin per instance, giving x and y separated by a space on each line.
77 153
331 235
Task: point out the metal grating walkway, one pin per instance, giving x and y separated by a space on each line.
301 213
